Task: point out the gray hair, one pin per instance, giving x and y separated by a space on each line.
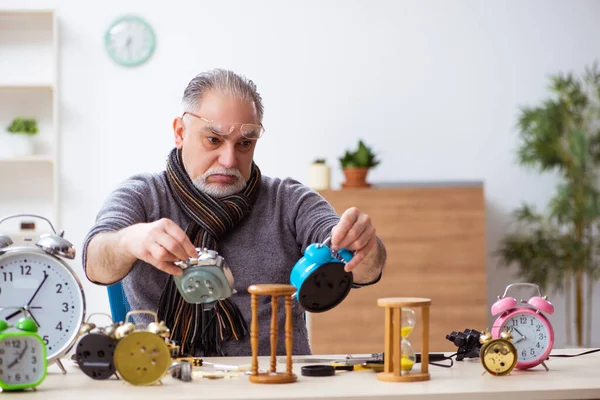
225 82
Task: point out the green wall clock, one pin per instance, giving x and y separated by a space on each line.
130 41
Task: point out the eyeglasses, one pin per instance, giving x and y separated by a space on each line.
249 131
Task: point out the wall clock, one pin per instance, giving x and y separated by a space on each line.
130 41
37 283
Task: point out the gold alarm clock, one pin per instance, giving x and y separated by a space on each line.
142 356
498 356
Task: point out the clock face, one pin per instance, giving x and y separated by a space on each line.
129 41
21 360
48 291
530 334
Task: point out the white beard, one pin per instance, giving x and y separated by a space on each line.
220 190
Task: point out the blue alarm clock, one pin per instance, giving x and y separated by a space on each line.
320 279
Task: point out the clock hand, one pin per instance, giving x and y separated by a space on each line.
519 332
38 289
33 318
15 314
12 364
21 310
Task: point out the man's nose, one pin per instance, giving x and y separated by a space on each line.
227 156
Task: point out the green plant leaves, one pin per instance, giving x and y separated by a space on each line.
26 126
362 157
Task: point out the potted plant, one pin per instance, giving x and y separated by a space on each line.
319 175
21 131
356 165
560 249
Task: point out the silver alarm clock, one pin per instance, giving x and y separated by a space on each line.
206 278
37 283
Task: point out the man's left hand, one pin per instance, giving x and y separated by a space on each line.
354 232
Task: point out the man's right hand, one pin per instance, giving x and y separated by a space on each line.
159 243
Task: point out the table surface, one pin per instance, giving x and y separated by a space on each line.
567 378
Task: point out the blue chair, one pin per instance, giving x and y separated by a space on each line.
119 306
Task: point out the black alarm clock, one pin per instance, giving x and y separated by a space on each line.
95 351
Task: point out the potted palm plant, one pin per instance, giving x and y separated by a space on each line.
356 165
21 131
560 249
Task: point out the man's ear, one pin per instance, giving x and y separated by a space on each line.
178 132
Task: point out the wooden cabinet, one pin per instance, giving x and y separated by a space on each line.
435 240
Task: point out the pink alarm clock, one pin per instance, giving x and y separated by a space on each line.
531 330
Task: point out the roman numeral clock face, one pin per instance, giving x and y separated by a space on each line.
49 293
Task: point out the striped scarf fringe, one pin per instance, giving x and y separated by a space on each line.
199 330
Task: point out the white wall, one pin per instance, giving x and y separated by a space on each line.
434 86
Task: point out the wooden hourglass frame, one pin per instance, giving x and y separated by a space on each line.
392 371
275 291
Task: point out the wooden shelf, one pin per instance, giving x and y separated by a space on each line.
25 13
30 159
29 46
26 86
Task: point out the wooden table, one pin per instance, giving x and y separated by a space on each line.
568 378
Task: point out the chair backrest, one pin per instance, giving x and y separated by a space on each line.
119 306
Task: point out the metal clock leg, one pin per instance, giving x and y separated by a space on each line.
62 368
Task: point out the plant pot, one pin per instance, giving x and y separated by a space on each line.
16 145
319 176
356 177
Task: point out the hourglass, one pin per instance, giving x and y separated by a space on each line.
409 318
399 355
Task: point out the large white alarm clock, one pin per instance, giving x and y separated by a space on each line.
40 285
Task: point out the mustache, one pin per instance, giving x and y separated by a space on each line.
223 171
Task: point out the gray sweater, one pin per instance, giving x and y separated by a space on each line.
263 248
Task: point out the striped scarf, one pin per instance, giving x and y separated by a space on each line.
196 330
